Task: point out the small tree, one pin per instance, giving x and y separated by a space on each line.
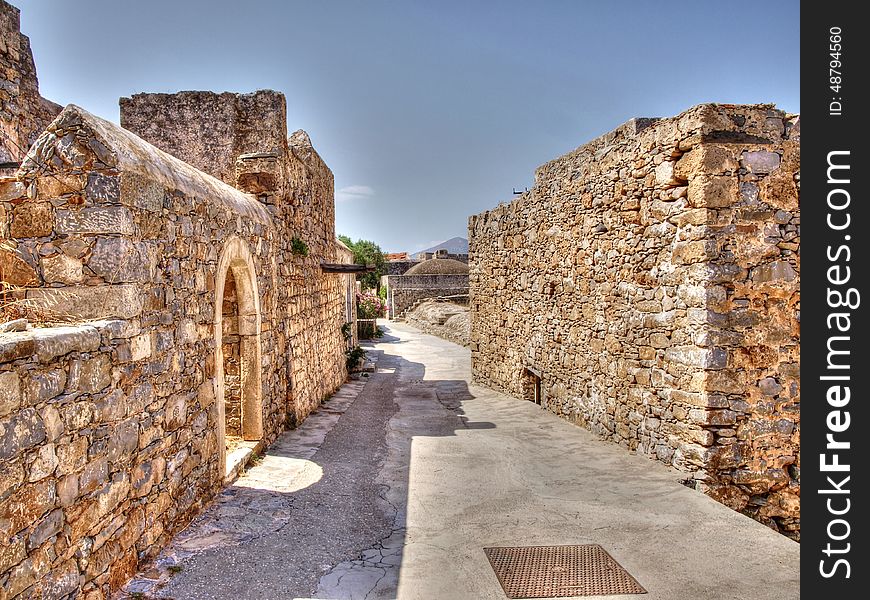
366 252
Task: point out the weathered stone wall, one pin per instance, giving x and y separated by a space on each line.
104 226
651 278
104 452
403 291
23 112
208 130
398 267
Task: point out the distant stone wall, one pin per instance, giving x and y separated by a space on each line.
101 225
398 267
405 290
651 279
23 112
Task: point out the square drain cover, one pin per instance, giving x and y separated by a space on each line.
560 572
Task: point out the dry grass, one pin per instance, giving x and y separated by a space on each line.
14 306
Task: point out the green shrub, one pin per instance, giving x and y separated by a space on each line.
299 247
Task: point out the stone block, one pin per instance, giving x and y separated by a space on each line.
72 456
45 385
61 268
118 260
12 190
12 552
694 251
77 415
26 506
777 271
32 220
91 302
43 464
769 386
659 340
90 375
665 174
20 431
713 191
141 192
10 392
57 185
53 422
68 489
124 440
62 582
140 347
96 221
103 188
15 270
176 412
94 475
146 475
760 161
50 526
779 190
726 382
706 159
110 407
11 475
58 341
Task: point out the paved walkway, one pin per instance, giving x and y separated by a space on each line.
395 486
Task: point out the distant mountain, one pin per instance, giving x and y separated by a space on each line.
457 245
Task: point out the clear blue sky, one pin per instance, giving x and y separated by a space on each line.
426 112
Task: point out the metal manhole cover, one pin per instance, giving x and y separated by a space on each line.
560 572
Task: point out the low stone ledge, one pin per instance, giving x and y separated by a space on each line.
51 342
90 302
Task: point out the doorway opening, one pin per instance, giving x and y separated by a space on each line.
238 353
532 389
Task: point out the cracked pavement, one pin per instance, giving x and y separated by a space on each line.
393 488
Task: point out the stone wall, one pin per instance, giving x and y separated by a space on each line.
23 112
102 225
650 278
103 454
207 130
403 291
398 267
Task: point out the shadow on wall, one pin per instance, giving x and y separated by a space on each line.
321 511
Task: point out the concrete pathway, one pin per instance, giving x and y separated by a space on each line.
395 486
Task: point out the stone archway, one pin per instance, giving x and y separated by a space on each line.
238 376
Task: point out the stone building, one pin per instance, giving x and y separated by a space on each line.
23 112
647 288
205 305
433 278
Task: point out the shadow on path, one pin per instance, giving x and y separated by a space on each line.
318 516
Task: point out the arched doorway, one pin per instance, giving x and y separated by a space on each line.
238 377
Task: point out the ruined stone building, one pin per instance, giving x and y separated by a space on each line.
23 112
433 278
192 256
647 288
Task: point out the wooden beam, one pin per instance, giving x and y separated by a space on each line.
345 268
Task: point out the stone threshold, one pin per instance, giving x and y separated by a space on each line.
239 458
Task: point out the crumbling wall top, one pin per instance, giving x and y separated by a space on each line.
80 140
210 130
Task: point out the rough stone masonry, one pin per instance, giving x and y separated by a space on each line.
647 287
191 303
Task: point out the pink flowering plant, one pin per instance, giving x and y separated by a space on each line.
369 305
